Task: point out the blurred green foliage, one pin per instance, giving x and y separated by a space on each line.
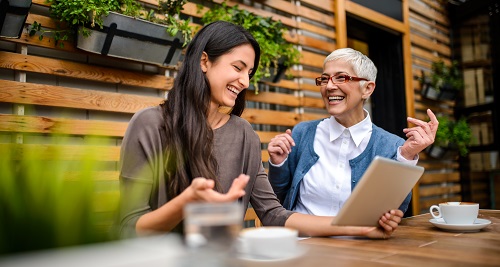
48 201
456 134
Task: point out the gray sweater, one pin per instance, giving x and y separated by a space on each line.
142 179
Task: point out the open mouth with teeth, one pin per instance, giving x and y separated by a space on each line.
233 90
333 99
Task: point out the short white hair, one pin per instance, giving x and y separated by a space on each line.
360 63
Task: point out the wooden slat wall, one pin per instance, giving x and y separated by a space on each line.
430 41
47 90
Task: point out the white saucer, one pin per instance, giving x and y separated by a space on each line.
476 226
299 252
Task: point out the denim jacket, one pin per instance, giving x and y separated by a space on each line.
286 179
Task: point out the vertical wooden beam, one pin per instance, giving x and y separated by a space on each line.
409 89
340 24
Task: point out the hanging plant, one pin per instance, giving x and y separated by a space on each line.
275 50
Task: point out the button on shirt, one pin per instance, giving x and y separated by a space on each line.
327 185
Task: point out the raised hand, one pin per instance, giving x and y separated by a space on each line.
420 136
201 189
280 146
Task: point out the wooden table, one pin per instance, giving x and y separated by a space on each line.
415 243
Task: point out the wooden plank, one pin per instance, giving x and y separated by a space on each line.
439 165
369 14
306 73
274 98
71 69
57 96
426 11
313 116
285 20
45 21
425 54
281 5
431 33
341 24
322 17
272 117
61 152
431 23
313 102
440 190
326 32
265 137
283 83
312 59
315 43
265 156
326 5
431 45
434 178
51 125
25 39
46 125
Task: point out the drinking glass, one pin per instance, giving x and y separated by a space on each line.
211 229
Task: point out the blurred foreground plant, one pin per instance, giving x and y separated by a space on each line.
48 201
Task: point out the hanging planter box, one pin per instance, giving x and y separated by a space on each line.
446 92
440 152
135 39
13 14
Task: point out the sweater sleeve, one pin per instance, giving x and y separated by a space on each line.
139 160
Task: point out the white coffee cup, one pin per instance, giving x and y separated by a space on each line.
456 212
268 242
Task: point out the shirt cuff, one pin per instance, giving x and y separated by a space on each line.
277 165
404 160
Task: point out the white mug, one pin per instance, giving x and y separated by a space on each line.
456 212
268 242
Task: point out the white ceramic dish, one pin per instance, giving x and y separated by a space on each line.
299 252
476 226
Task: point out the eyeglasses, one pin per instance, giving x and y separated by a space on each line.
337 79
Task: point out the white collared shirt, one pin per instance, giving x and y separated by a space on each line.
327 185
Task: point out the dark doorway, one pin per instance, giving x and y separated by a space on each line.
388 102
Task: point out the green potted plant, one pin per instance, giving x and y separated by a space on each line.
444 82
123 28
451 137
277 54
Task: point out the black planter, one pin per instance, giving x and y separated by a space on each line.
277 73
441 152
135 39
13 14
445 92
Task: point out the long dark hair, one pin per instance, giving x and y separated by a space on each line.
188 139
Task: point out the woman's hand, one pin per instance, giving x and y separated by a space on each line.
201 189
420 136
280 146
389 222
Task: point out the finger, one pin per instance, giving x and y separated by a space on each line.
432 116
289 137
237 188
199 183
398 213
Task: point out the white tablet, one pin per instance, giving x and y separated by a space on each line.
384 186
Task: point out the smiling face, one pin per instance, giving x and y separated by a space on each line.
345 101
228 75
